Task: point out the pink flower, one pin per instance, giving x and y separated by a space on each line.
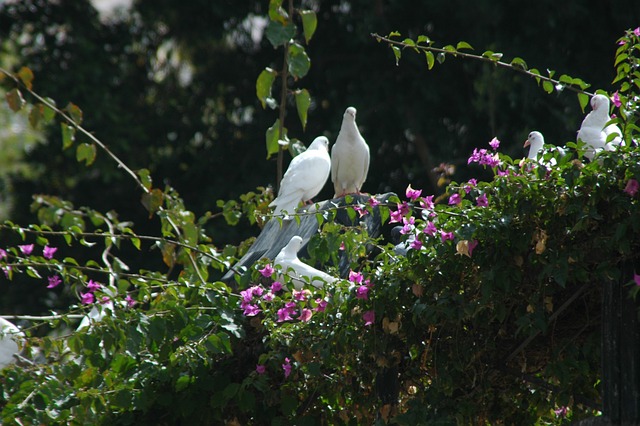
284 314
26 249
616 99
636 32
396 216
369 317
636 279
355 277
276 286
632 187
251 310
471 184
322 305
416 244
472 245
430 229
446 236
247 295
362 292
482 200
3 254
130 301
268 297
455 199
373 201
408 225
362 211
86 298
48 252
413 194
93 286
54 281
342 247
561 412
286 367
104 299
256 290
267 271
494 143
427 203
301 295
305 315
261 369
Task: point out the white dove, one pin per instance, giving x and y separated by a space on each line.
10 335
535 142
295 268
594 130
349 157
306 175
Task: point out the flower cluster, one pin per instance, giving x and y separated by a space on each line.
362 288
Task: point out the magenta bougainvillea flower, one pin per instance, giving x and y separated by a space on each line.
632 187
427 202
482 200
455 199
130 301
3 253
48 252
305 314
286 367
472 245
26 249
321 305
93 286
373 201
361 210
86 298
636 279
267 271
494 143
362 292
54 281
430 229
261 369
355 277
413 194
636 32
251 310
301 295
268 297
276 286
615 98
416 244
446 236
369 317
284 314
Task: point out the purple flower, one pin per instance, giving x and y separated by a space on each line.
26 249
268 297
267 271
301 295
355 277
427 202
561 412
105 299
261 369
636 279
396 216
48 252
256 290
54 281
472 245
616 99
322 305
362 211
413 194
130 301
446 236
284 314
430 229
373 201
408 225
369 317
482 200
632 187
93 286
305 315
471 184
276 286
455 199
362 292
494 143
636 32
286 367
416 244
247 295
3 254
251 310
86 298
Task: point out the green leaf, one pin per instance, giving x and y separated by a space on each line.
152 200
397 53
309 24
547 86
519 63
145 178
68 135
279 33
49 113
272 138
583 100
35 115
431 60
15 100
263 85
276 12
74 112
183 382
86 152
298 63
303 100
394 34
463 45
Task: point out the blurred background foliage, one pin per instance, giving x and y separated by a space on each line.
170 86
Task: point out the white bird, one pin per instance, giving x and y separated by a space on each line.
349 157
95 315
594 130
306 175
10 336
535 142
296 269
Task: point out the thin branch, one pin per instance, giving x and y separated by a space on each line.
457 53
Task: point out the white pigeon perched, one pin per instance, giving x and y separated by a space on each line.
10 335
535 142
594 130
295 268
306 175
349 157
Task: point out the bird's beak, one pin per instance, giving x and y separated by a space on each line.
526 143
